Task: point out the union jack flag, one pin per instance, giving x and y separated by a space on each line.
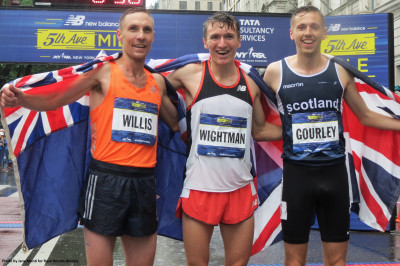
373 160
51 151
373 164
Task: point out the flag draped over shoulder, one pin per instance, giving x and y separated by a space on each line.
373 163
267 156
51 151
50 154
373 155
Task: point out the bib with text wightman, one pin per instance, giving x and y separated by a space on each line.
134 121
222 136
315 131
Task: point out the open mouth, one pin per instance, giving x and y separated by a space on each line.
222 52
308 41
139 45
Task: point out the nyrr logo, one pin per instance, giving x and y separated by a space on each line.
334 27
74 20
250 54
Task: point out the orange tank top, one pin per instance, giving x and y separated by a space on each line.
124 126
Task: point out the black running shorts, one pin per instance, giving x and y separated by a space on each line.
309 190
118 200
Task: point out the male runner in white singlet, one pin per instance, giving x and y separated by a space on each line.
223 112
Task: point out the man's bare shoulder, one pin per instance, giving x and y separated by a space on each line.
98 79
159 80
272 74
185 74
190 68
274 67
345 76
342 69
157 76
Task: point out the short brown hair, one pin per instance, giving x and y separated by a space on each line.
132 11
307 9
222 17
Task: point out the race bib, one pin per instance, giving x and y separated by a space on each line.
134 121
314 132
222 136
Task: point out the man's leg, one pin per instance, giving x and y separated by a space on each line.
295 254
99 248
335 253
139 250
238 239
196 239
333 212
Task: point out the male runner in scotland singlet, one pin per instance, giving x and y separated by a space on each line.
310 88
223 109
118 198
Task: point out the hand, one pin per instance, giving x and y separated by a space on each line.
11 96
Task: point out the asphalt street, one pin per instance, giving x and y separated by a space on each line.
366 247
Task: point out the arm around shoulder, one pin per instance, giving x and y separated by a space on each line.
168 111
261 129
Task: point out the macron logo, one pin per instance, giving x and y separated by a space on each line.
74 20
294 85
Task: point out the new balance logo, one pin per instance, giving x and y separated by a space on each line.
334 27
74 20
255 202
241 88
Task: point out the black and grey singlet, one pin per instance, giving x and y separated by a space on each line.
310 107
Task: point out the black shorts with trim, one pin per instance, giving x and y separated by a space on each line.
309 190
119 200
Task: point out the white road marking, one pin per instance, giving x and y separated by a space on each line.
41 257
44 252
19 258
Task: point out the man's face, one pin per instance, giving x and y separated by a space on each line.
136 35
222 42
308 31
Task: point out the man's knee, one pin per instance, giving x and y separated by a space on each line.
295 254
139 250
335 253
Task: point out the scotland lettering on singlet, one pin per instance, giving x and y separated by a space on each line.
222 136
315 131
134 121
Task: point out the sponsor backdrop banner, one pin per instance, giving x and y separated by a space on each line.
73 36
364 41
